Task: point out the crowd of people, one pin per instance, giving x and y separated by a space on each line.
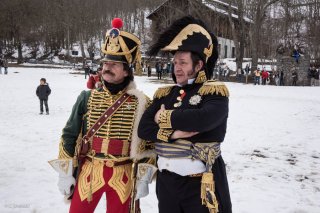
267 77
163 68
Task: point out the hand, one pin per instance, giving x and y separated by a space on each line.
66 184
157 116
182 134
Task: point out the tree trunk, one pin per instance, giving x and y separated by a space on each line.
20 58
81 46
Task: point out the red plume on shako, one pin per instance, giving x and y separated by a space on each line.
117 23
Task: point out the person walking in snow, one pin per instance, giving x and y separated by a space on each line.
5 65
43 91
1 65
294 78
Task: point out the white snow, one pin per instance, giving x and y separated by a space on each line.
271 148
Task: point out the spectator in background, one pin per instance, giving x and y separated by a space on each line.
168 68
257 76
5 65
265 76
43 91
316 77
294 76
281 78
158 70
164 69
247 70
149 70
312 74
86 70
226 73
276 78
94 81
1 65
239 74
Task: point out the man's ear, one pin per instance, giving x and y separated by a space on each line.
199 65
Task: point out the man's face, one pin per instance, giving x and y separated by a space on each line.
113 72
183 67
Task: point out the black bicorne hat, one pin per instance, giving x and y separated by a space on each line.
189 34
121 46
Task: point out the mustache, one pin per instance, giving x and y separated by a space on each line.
107 72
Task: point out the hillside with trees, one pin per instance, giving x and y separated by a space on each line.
51 26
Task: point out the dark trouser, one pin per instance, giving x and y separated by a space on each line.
294 82
86 73
264 81
159 75
45 101
281 82
181 194
256 80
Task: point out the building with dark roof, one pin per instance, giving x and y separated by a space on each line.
214 14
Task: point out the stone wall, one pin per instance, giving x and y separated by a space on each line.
287 64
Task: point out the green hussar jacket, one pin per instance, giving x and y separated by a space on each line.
123 125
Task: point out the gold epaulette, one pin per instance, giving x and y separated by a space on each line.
214 87
162 92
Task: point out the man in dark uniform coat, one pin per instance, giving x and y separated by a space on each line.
188 122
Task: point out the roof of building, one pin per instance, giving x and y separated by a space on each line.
222 9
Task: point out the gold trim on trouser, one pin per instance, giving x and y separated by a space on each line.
116 182
96 180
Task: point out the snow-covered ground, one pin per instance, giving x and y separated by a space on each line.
272 146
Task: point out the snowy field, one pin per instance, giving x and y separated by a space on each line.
272 147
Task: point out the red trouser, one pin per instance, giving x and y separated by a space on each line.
114 204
